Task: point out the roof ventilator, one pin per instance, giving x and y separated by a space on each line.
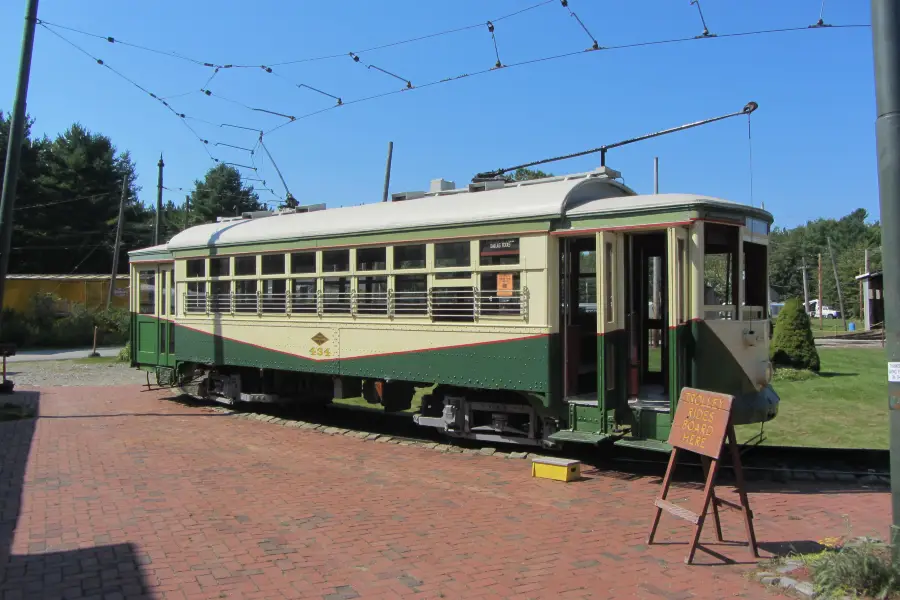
605 172
484 186
400 196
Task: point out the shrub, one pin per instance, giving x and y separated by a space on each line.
863 569
45 325
125 353
793 345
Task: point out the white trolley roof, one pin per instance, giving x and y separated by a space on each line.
582 194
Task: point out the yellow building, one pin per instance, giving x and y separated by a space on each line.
89 290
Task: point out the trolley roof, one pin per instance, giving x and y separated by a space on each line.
585 194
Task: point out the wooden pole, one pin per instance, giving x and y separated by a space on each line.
837 282
819 307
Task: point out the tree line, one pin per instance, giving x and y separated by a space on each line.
67 202
850 236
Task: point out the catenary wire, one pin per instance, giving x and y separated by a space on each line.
558 57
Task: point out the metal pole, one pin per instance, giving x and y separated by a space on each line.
886 46
387 172
159 189
655 174
14 148
837 282
805 288
819 306
115 261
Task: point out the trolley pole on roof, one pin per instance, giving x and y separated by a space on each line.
886 48
14 147
159 188
387 172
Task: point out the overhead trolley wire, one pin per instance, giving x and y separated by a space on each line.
181 116
414 39
558 57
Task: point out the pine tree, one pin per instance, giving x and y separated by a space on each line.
793 345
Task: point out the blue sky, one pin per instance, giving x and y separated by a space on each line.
813 136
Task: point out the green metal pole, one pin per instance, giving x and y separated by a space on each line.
14 148
886 47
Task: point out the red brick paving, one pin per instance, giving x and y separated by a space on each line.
129 495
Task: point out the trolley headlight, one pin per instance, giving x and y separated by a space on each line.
770 371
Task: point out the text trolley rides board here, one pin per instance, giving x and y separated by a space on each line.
702 422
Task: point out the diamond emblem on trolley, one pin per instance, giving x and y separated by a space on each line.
319 339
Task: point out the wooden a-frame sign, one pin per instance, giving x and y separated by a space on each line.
702 422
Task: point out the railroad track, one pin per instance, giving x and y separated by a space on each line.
782 464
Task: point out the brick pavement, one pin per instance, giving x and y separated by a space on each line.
115 493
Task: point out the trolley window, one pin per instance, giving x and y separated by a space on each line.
499 252
335 261
273 295
147 296
371 295
409 257
303 262
721 271
195 302
245 295
755 282
219 267
500 294
220 296
196 267
303 296
371 259
244 265
411 295
452 254
272 264
336 295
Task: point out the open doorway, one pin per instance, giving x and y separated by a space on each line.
578 317
646 301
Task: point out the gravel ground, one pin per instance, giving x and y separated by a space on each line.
54 373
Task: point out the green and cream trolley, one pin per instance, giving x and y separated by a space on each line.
562 309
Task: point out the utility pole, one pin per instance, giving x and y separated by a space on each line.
14 149
837 282
805 287
115 261
819 306
387 172
886 47
159 188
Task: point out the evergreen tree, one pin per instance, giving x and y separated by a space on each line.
793 345
222 194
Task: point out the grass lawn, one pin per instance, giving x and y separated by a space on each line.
843 407
831 326
361 403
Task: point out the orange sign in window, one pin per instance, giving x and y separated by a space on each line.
504 284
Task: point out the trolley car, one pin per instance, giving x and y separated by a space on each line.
566 309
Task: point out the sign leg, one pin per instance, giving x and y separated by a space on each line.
667 480
701 516
715 501
742 492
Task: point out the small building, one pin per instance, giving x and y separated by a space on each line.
89 290
873 299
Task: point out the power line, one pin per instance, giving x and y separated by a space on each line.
121 75
562 56
91 197
414 39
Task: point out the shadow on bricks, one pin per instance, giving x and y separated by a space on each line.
109 571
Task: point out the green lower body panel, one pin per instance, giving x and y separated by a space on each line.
518 364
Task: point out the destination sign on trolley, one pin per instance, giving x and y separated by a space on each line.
701 422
